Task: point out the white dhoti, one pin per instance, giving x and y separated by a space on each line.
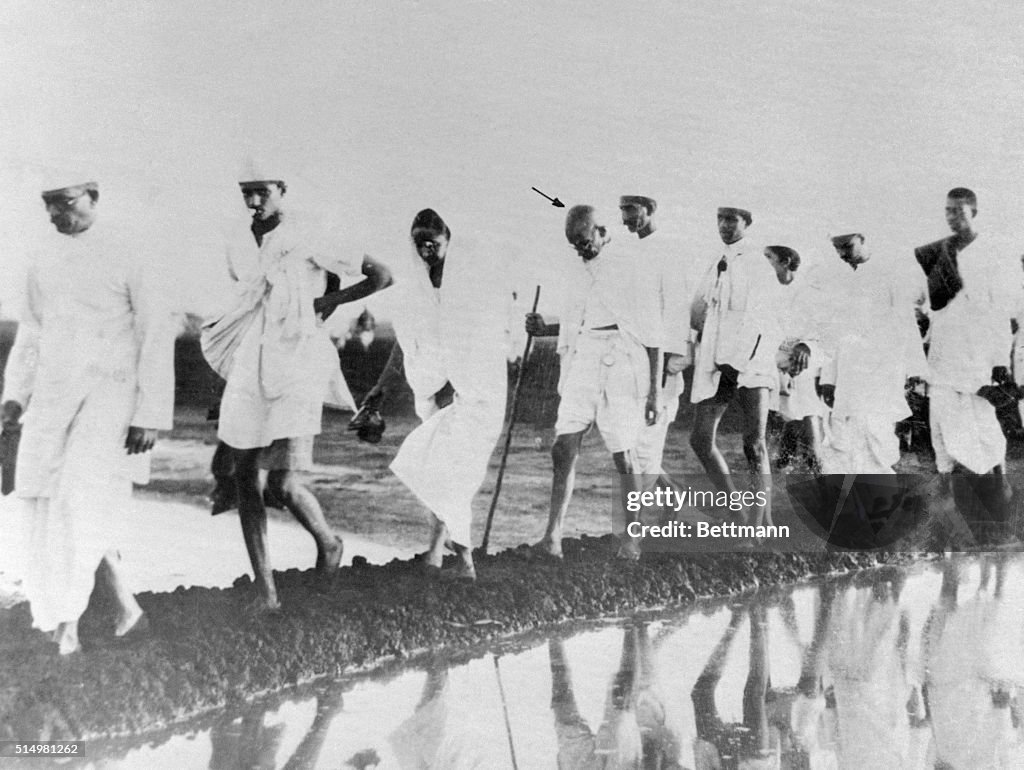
76 487
860 444
650 445
454 335
798 398
965 430
444 461
94 354
606 384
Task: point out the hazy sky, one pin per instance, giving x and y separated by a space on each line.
818 115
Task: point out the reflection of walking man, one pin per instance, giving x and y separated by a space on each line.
617 744
93 368
750 742
279 365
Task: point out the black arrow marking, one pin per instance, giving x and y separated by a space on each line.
554 201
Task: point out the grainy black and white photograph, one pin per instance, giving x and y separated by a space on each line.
474 384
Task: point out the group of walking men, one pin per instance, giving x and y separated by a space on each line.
91 380
837 356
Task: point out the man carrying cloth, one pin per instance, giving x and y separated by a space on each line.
280 365
93 370
971 285
609 343
661 257
736 316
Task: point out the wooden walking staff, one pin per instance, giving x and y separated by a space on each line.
508 434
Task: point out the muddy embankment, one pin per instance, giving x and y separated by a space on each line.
209 648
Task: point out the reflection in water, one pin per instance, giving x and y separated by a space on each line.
747 744
249 743
886 670
976 673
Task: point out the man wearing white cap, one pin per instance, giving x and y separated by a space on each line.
280 365
671 275
93 370
609 342
973 285
736 316
875 348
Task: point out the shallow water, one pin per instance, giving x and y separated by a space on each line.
892 669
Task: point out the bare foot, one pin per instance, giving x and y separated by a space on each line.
261 605
548 547
329 561
128 620
462 572
66 637
629 548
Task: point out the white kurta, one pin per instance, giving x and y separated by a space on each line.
612 288
605 375
675 285
970 336
94 354
284 365
874 347
454 334
741 325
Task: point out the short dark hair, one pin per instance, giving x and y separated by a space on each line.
789 257
963 194
428 219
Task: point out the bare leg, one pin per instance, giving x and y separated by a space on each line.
625 464
224 496
564 454
128 610
754 403
66 637
465 568
755 714
704 441
705 710
563 698
438 541
285 486
813 432
253 517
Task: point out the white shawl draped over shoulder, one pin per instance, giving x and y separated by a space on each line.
270 346
455 334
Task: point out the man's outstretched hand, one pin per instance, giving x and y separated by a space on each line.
140 440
